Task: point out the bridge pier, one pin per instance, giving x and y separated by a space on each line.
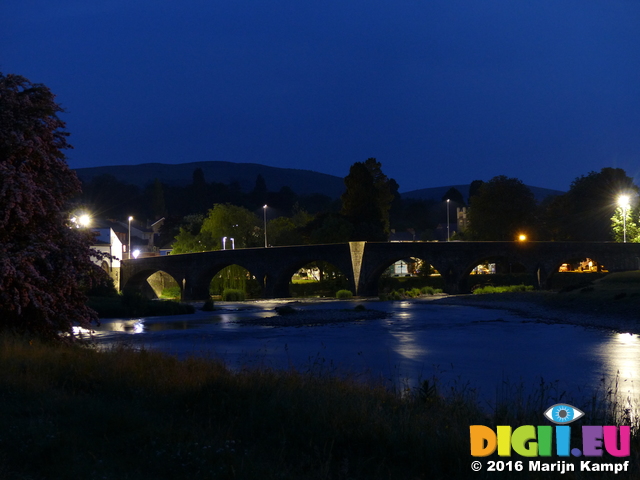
192 290
454 283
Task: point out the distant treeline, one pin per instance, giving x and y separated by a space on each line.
107 197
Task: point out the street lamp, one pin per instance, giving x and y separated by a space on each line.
233 243
129 248
84 220
448 236
623 201
224 243
264 211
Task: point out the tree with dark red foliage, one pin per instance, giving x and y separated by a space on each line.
45 265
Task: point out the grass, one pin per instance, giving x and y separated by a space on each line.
615 293
71 412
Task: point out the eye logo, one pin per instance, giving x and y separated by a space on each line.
562 413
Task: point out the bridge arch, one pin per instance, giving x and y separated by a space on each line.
143 282
208 277
280 280
371 283
506 263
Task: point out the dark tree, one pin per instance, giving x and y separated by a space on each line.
157 200
44 263
503 208
584 212
367 200
110 197
258 196
474 189
199 192
454 195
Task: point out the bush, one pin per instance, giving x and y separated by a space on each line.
233 295
171 292
344 294
502 289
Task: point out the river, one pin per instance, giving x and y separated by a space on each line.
491 351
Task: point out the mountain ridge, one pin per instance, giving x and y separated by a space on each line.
300 181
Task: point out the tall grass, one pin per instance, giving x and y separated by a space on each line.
71 412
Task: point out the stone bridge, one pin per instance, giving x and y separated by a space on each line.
364 262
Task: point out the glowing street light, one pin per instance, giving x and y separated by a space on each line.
84 220
522 237
129 247
264 210
136 253
623 202
448 236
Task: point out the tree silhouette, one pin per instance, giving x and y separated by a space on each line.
502 208
45 265
367 200
584 212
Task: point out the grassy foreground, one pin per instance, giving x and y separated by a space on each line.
76 413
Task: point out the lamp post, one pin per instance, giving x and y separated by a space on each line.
448 236
233 243
623 201
264 211
224 243
129 247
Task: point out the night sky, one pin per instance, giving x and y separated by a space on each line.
439 91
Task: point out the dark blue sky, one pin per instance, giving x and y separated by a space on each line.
439 91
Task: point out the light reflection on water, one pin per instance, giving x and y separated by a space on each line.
483 347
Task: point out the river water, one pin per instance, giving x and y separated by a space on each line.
492 351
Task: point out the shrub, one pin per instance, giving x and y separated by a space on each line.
232 295
502 289
171 292
344 294
427 290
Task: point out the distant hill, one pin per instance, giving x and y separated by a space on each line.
303 182
436 193
300 181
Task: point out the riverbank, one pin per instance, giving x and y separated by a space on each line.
554 307
127 414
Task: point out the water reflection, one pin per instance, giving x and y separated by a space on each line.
620 357
481 346
127 326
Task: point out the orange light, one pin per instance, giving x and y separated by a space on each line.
522 237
